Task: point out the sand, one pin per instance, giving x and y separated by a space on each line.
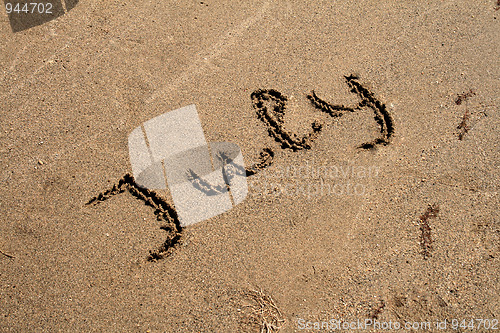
72 90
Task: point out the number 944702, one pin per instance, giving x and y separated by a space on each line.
29 8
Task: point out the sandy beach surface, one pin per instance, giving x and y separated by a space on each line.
406 232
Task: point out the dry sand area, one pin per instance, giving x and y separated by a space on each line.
405 231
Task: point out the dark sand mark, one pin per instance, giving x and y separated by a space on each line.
265 159
378 310
382 115
7 255
162 210
270 106
425 229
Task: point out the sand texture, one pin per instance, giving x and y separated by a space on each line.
369 130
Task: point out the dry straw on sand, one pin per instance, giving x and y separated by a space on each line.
262 311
